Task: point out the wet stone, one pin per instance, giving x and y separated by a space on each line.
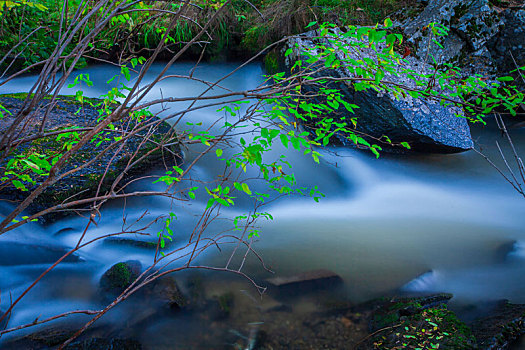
120 276
304 282
14 253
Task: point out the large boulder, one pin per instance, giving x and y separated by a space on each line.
472 24
84 183
485 37
425 124
508 46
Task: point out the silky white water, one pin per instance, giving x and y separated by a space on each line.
409 223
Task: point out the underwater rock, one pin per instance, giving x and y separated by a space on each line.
166 291
14 253
304 282
503 326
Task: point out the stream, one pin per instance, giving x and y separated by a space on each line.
413 223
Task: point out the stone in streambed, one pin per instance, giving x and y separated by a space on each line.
119 277
14 253
162 293
165 291
85 182
305 281
501 327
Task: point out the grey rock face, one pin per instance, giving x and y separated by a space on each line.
508 47
472 24
425 124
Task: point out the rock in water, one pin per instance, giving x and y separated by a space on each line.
14 253
503 326
304 282
166 291
426 125
120 276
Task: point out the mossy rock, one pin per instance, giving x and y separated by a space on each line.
120 276
421 322
84 183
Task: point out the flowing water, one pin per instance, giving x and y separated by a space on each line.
415 223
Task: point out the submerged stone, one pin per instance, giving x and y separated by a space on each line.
14 253
504 325
305 282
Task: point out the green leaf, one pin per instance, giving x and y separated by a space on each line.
218 152
406 145
311 24
125 70
379 76
284 140
246 188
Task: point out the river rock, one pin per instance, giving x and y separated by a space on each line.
14 253
304 282
84 183
499 329
426 125
120 276
419 322
166 291
130 242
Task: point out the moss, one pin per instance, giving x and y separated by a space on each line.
119 277
409 325
226 302
67 99
85 182
271 62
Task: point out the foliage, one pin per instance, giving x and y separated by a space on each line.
282 112
422 328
